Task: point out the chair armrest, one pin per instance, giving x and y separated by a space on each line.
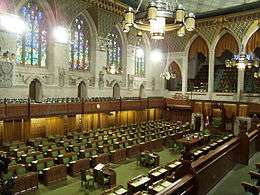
250 188
254 175
257 166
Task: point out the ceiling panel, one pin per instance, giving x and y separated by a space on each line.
198 6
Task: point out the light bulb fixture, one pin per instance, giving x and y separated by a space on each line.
168 75
12 23
139 52
156 55
60 34
242 61
158 18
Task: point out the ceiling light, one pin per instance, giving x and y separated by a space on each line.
156 55
60 34
12 23
159 18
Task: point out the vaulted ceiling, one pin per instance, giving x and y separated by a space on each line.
198 6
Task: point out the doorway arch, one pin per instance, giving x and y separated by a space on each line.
116 91
82 90
35 90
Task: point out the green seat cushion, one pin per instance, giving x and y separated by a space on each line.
7 175
49 163
66 160
20 170
39 156
74 158
40 166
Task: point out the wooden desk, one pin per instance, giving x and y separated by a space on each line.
158 173
118 190
159 186
191 141
138 184
173 166
153 156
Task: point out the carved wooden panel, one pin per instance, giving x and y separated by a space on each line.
156 103
130 104
2 111
74 108
17 111
37 110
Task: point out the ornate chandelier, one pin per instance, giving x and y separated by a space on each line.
160 17
242 61
168 75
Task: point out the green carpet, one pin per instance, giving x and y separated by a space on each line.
124 173
230 184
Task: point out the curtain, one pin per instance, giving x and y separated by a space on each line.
227 42
253 42
198 46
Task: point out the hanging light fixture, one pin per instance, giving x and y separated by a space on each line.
158 18
168 75
242 61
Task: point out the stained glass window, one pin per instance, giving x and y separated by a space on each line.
139 61
80 44
114 65
32 45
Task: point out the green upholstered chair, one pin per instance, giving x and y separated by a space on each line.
66 161
40 166
20 170
74 157
39 156
49 163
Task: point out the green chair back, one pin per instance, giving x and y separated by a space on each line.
49 163
20 170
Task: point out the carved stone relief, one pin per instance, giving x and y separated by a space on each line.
6 74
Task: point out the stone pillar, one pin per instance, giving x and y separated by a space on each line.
185 74
240 82
211 73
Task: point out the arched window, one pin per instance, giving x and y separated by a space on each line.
114 65
139 60
80 44
32 45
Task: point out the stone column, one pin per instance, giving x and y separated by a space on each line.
185 74
211 73
240 82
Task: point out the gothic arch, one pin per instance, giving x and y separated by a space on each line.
35 90
220 36
253 42
251 30
191 41
116 90
46 8
176 83
92 29
124 45
142 91
198 45
82 90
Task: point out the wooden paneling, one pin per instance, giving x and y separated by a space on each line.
12 130
105 106
14 111
74 108
243 110
2 111
156 102
198 107
230 109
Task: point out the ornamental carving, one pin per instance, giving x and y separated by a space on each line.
6 74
